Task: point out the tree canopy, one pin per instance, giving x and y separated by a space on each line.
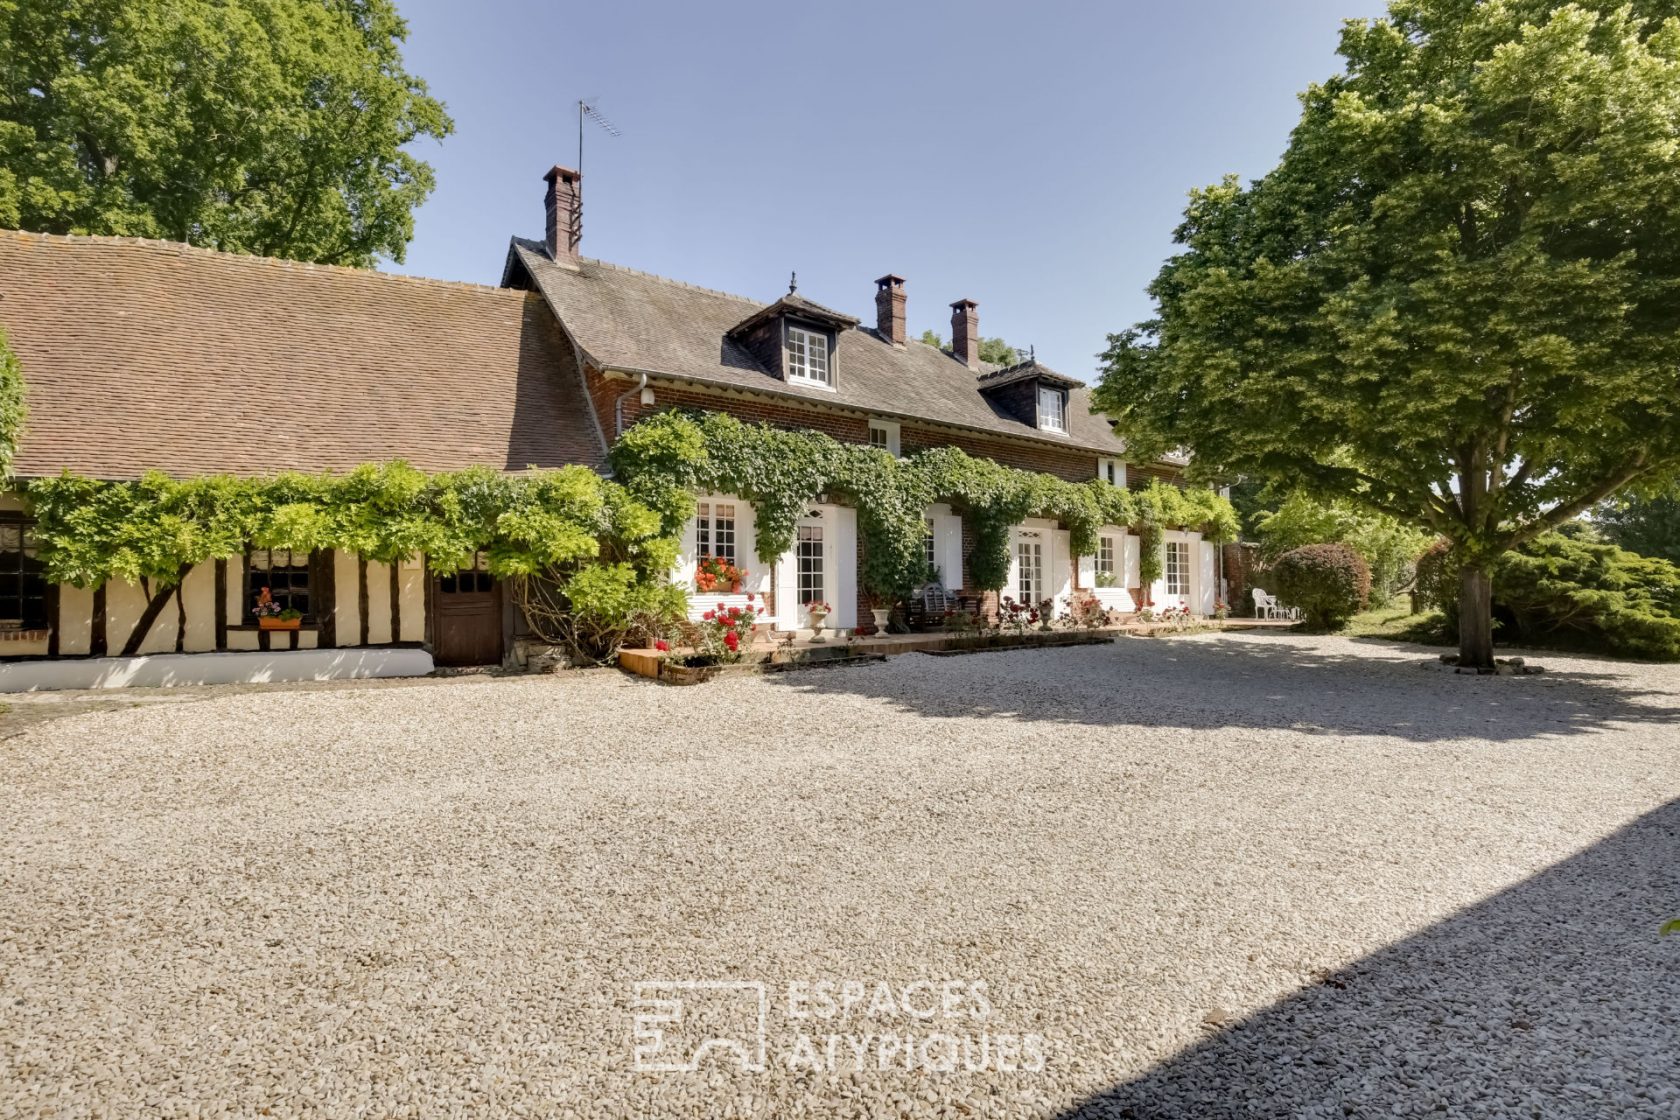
1456 300
275 127
994 350
1649 526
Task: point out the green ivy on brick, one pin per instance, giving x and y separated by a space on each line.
663 460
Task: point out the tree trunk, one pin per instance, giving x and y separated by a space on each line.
154 607
1475 619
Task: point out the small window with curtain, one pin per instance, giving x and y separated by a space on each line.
284 573
23 589
807 356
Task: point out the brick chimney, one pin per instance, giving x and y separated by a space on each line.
889 308
564 203
965 332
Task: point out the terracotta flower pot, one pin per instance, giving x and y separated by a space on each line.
270 622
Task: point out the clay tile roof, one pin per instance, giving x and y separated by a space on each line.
150 355
633 321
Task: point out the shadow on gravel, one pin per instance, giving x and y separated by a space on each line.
1261 682
1555 998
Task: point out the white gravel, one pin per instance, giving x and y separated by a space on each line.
1240 875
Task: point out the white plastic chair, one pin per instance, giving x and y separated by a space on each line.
1268 606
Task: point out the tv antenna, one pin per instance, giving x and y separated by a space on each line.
586 108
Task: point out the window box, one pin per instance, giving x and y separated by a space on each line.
268 622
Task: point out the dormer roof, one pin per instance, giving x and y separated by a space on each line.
1030 369
798 307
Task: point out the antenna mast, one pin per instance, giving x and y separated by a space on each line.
586 108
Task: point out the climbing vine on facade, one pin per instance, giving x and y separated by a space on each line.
664 459
11 405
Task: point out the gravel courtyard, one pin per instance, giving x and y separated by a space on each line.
1220 876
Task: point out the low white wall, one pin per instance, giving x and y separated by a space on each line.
213 668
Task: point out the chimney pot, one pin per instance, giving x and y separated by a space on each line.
889 308
564 205
965 333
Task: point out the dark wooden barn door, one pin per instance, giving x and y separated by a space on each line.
467 619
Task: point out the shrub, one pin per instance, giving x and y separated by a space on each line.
1586 595
1388 547
1329 582
1562 589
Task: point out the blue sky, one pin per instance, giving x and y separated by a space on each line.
1034 158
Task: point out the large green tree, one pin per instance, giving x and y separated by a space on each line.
1649 526
277 127
1457 298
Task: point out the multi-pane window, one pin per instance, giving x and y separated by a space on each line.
714 530
1178 567
1111 471
23 590
807 353
475 580
884 434
1107 570
284 573
809 549
928 560
1052 411
1029 563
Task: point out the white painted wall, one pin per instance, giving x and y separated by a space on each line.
213 668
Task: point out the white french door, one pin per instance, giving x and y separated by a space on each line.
1029 567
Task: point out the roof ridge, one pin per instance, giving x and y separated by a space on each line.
530 245
184 248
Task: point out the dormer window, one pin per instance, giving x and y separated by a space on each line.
807 357
1052 409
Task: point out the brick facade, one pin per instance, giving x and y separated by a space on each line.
1069 464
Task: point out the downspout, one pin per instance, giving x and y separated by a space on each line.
618 406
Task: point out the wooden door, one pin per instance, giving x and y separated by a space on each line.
467 619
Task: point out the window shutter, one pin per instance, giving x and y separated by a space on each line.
947 549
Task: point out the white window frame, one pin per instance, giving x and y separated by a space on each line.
1176 571
1029 546
1109 557
1052 419
930 545
801 346
1112 471
888 431
707 515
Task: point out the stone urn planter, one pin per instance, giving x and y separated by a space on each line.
881 617
817 618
